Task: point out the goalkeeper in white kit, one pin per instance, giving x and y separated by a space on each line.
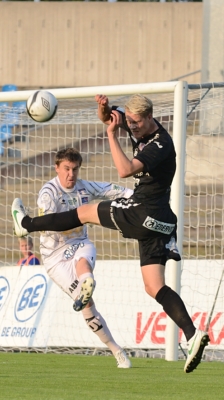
69 256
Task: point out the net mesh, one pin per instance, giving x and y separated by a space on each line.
27 162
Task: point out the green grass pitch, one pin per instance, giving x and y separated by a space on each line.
75 377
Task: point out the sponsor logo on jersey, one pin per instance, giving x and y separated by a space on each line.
116 187
158 226
71 250
73 285
85 200
82 191
158 144
41 212
72 201
124 203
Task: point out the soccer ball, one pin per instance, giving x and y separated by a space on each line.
42 106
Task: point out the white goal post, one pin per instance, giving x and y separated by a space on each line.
192 114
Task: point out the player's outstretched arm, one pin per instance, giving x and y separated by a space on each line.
104 110
125 167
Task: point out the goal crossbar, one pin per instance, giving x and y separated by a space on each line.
82 92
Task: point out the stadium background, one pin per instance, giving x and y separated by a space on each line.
67 44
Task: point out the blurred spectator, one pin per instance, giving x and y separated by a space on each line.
9 88
26 246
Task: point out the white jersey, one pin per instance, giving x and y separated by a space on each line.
56 247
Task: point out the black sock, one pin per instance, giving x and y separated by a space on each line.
52 222
174 307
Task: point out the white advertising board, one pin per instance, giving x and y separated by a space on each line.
34 312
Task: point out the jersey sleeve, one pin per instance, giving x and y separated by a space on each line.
155 152
106 190
46 201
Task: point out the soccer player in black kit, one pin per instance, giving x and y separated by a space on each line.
146 216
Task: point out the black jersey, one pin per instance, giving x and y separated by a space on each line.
157 153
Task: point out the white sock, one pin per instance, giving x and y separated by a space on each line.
98 325
82 277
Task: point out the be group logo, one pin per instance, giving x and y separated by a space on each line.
30 298
4 290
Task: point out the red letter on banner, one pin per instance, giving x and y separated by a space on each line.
140 335
158 327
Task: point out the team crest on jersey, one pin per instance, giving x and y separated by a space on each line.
45 198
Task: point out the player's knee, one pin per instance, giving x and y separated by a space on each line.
82 267
88 213
150 290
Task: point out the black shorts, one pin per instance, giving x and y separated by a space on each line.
155 229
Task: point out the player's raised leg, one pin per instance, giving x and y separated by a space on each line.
55 222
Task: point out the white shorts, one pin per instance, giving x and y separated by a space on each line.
64 273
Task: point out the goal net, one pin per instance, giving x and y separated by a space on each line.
27 152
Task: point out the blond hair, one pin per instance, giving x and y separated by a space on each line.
139 105
27 239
